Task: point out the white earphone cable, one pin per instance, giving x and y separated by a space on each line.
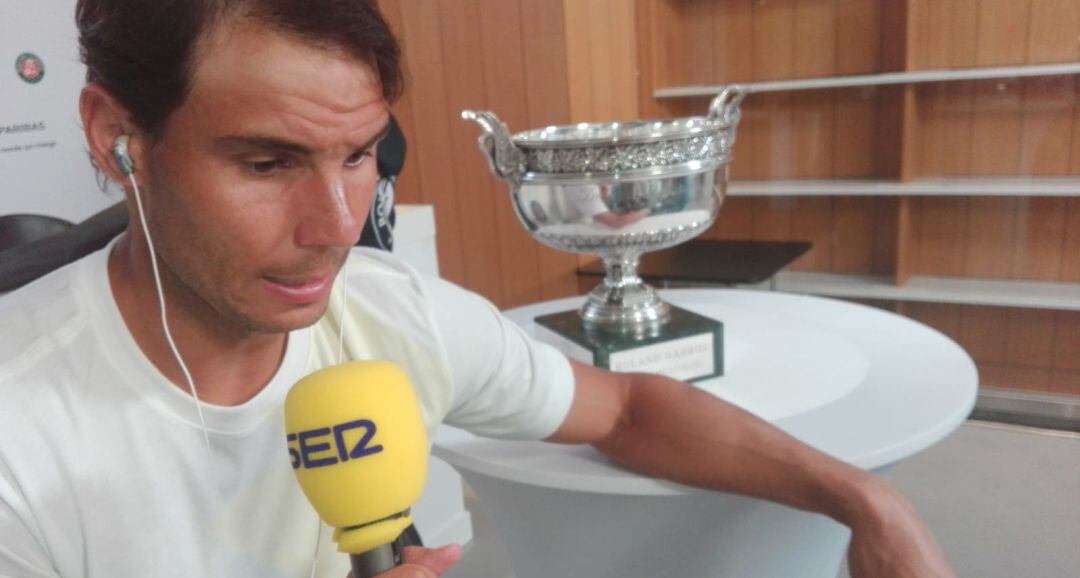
184 369
341 316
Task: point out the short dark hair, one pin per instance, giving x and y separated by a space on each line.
141 51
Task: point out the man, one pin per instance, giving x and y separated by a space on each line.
252 125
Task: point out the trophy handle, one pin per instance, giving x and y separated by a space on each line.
725 107
504 159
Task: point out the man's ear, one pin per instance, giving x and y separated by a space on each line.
104 120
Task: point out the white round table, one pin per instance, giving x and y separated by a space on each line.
863 385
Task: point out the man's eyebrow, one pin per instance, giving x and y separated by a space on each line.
234 142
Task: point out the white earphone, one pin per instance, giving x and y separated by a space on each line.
123 158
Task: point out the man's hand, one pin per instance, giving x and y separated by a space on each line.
889 541
424 562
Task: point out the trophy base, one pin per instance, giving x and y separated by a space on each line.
687 347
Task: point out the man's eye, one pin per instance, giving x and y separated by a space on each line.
268 166
357 158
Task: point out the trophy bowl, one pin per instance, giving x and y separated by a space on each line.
617 190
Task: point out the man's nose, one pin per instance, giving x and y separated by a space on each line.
332 217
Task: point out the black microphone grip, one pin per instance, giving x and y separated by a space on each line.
377 560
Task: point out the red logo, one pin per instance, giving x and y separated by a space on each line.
30 68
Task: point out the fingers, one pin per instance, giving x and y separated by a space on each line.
423 562
438 561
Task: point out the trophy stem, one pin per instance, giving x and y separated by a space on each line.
621 271
623 303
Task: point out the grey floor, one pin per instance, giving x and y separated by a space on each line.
1003 501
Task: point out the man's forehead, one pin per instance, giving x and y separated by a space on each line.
246 57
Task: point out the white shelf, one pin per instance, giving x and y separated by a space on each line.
1031 294
921 76
1018 187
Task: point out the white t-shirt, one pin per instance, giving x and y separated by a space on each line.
103 470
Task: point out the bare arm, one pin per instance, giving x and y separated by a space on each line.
668 429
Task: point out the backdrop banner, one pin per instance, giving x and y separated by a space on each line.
44 165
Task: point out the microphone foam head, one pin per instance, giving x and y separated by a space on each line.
359 449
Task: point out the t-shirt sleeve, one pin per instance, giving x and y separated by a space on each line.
506 384
21 554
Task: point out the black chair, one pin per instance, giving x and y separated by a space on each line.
20 229
29 259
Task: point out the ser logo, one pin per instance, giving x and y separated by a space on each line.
312 448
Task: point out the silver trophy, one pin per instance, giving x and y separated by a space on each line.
617 190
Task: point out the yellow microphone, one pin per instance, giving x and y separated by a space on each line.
359 449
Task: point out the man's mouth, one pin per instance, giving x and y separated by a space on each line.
300 290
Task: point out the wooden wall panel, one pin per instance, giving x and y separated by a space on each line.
943 228
773 57
812 221
1002 127
430 144
1065 382
853 234
664 27
1003 26
505 92
858 36
526 72
1067 341
773 49
945 115
733 34
855 133
813 112
1029 340
509 57
547 96
1011 377
858 51
991 237
602 58
601 55
579 67
735 220
946 110
944 317
466 88
1070 251
1053 27
1046 133
983 333
996 127
769 137
407 189
1040 229
700 37
891 243
772 218
813 134
958 129
963 32
1016 348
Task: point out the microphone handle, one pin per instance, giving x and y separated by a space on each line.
377 560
